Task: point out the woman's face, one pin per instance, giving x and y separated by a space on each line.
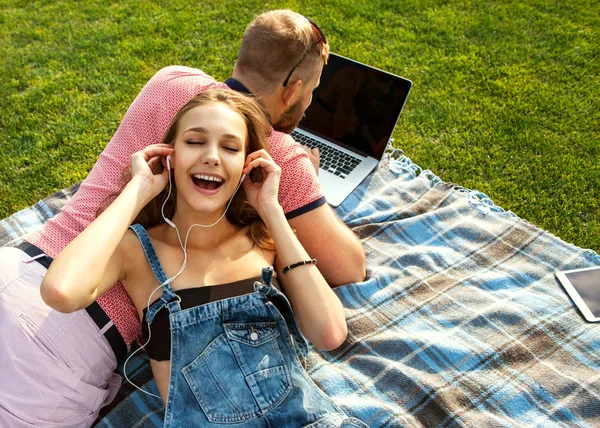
209 156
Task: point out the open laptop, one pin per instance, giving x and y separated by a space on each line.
351 119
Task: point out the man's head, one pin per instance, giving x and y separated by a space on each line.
280 47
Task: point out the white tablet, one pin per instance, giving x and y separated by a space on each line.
583 286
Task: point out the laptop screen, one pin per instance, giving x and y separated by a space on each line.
356 106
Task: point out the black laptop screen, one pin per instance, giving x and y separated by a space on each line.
356 105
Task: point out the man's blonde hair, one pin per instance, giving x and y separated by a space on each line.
273 43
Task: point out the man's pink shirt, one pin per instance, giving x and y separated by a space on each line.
145 123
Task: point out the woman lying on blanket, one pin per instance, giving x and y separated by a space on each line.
223 342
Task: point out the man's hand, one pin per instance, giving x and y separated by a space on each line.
314 156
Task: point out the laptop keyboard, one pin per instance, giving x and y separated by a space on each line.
332 160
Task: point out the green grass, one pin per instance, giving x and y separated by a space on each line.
505 97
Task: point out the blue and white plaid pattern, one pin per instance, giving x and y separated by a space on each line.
14 228
460 321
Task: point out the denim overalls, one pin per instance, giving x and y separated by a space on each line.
234 363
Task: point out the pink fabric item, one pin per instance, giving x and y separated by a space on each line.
145 123
57 369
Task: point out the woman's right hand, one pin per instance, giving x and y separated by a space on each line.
143 164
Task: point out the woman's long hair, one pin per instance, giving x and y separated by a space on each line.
240 212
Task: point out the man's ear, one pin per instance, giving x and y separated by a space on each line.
291 92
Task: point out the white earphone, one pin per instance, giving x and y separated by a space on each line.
169 222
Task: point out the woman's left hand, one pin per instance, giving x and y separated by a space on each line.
262 195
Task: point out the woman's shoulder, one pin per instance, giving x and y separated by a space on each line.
130 248
245 240
137 245
136 251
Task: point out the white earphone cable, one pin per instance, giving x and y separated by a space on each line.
181 269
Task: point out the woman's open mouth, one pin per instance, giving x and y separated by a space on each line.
208 183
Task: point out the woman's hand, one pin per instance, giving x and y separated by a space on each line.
143 164
262 195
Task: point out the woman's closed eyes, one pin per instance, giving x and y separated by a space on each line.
229 147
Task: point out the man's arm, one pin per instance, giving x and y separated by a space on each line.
144 123
340 255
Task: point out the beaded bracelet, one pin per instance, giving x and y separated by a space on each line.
304 262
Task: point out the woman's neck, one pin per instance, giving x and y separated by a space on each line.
203 232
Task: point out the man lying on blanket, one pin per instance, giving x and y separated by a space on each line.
280 62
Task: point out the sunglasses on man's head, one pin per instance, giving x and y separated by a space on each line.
322 37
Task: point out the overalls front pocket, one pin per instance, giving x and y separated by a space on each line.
241 374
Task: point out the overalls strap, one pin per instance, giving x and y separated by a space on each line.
168 298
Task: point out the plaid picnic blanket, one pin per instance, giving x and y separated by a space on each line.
459 322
